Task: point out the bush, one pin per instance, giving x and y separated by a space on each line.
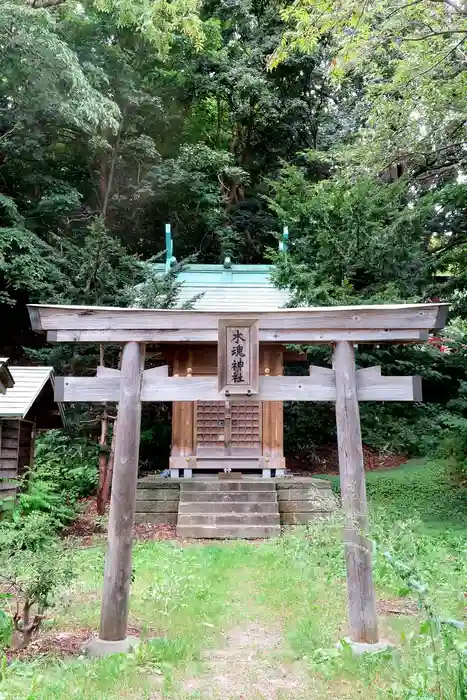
33 565
69 464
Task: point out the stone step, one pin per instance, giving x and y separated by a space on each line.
157 494
222 532
155 482
240 519
226 485
229 496
156 518
151 506
220 507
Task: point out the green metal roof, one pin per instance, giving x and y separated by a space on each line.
226 287
238 288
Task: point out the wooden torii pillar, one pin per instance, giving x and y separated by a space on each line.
344 384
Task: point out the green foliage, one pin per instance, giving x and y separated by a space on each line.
357 242
34 564
66 464
425 490
295 587
33 577
120 115
411 60
60 89
65 470
160 21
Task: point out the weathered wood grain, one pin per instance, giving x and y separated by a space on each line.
118 566
156 372
317 387
9 430
8 442
361 593
6 491
102 371
377 317
6 473
197 335
10 465
371 388
273 411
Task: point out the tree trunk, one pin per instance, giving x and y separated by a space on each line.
103 463
107 483
102 495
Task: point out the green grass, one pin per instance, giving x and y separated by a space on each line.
187 599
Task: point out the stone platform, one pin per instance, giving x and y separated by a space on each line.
249 507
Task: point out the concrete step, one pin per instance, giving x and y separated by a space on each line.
220 507
222 532
229 496
239 519
226 485
228 509
156 518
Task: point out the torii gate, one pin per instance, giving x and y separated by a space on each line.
344 384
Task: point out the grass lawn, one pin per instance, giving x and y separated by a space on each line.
253 621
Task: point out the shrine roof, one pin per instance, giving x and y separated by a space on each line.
28 383
228 287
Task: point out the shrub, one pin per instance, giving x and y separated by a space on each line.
67 463
33 568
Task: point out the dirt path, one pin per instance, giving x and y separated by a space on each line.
252 661
251 665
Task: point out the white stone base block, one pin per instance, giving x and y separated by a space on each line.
174 473
266 473
101 647
359 648
188 473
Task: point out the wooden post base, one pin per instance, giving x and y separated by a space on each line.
363 622
118 565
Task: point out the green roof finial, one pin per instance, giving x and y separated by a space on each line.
284 241
170 260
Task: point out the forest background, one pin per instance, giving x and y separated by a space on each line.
345 121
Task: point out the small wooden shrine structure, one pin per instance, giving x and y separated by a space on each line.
344 384
28 405
210 436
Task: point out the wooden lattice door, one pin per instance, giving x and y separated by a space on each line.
224 428
210 427
245 428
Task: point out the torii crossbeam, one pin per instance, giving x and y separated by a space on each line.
238 337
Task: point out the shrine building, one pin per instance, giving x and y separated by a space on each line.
212 436
229 417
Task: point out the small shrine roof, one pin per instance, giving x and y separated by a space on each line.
228 287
